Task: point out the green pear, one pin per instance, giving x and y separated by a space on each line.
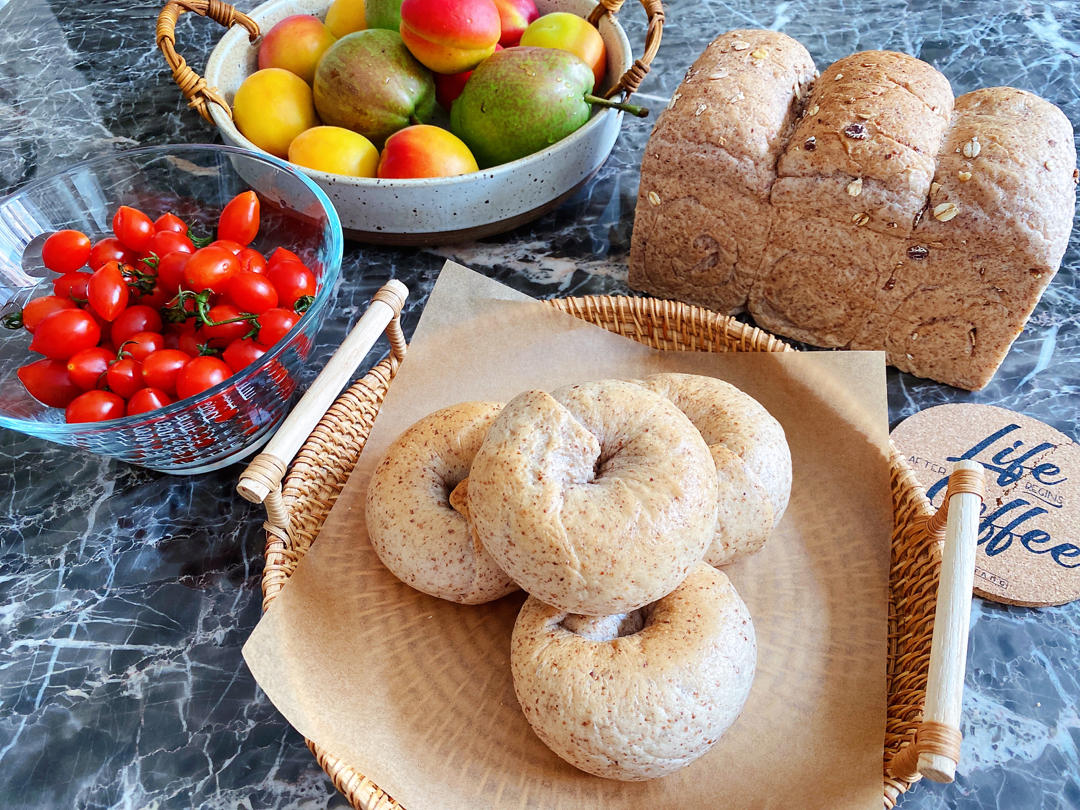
521 100
368 81
383 14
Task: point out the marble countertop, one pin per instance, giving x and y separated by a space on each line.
125 595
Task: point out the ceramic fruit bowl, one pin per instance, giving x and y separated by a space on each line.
231 419
425 211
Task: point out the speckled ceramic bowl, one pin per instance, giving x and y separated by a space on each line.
431 211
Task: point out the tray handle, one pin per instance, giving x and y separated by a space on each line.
261 481
936 749
191 84
630 81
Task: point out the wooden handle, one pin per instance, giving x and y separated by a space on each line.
939 735
264 473
192 85
630 81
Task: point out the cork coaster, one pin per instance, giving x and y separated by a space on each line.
1029 530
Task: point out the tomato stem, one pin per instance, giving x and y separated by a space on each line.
199 241
137 280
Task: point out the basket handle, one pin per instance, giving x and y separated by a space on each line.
261 481
198 93
936 750
630 81
192 85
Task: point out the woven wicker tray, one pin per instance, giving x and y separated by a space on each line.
326 459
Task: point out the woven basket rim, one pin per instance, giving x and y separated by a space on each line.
364 398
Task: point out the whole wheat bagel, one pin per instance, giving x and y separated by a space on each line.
753 462
411 519
636 696
597 498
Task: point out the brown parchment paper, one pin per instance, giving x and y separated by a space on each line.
416 693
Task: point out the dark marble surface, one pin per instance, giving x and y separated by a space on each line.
125 595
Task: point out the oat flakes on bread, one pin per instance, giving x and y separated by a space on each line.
893 216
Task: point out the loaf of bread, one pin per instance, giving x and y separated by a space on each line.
872 212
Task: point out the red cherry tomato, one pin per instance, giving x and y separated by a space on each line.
170 222
111 249
170 271
194 343
235 248
251 261
95 406
63 333
156 299
252 292
39 309
229 329
124 377
107 291
137 318
72 285
49 383
274 324
141 344
292 281
282 255
133 228
165 242
209 269
199 374
147 399
87 368
240 354
239 220
161 368
66 251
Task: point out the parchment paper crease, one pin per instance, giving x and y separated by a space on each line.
416 694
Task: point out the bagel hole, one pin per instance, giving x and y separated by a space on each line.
607 628
456 493
607 454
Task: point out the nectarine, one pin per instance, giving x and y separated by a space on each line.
450 37
424 150
515 16
569 32
296 44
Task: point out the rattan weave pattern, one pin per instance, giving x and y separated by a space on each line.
323 465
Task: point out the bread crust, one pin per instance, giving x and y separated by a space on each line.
899 218
719 139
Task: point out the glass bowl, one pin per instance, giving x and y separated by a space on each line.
235 417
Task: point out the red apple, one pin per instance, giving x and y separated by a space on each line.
515 16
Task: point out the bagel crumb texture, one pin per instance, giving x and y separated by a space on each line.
750 450
414 529
641 705
597 498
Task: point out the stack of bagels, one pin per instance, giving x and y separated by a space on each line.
611 503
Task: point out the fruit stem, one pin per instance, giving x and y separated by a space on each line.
633 109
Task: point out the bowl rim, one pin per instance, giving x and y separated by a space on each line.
227 126
48 430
